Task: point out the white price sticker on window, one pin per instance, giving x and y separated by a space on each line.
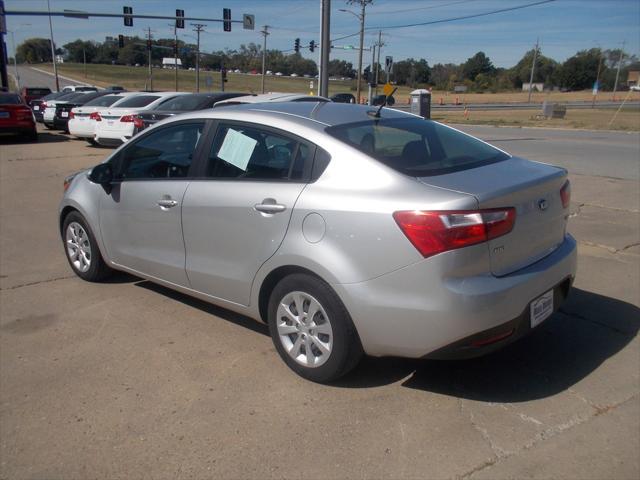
237 149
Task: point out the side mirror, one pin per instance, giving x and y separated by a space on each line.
102 174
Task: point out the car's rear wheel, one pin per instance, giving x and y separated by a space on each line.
82 250
311 329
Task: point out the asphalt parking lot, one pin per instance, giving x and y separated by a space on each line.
131 380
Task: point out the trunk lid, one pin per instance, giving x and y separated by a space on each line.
533 189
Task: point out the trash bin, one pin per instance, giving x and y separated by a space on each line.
421 103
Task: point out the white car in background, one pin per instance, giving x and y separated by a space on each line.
49 110
271 97
82 120
79 88
118 124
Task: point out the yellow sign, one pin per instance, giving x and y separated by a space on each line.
387 89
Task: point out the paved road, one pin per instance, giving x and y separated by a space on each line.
606 154
633 104
31 77
130 380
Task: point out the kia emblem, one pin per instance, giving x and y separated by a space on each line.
542 204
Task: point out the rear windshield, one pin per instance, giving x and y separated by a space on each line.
104 101
86 89
182 103
417 147
38 91
10 99
138 101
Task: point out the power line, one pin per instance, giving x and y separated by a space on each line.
464 17
393 12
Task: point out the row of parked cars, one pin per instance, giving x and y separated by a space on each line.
110 118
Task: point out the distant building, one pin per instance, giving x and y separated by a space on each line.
534 86
59 59
169 62
459 88
633 78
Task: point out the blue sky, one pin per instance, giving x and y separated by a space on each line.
563 26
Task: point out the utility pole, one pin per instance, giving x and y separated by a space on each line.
533 68
53 49
84 61
149 58
363 4
615 85
325 48
264 32
597 85
199 28
175 53
380 45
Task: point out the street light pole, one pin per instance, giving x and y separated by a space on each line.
363 4
15 65
533 69
199 28
325 48
615 85
53 50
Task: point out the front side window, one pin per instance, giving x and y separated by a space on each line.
104 101
166 153
417 147
248 152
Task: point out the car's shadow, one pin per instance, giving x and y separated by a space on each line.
588 329
43 137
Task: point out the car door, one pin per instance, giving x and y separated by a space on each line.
236 216
140 219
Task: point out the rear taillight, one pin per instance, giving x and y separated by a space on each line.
71 115
127 118
138 122
43 105
565 194
24 114
95 116
435 232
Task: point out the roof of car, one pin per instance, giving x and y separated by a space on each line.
273 97
313 115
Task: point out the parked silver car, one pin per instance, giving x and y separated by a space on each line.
347 229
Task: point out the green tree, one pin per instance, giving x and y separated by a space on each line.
545 71
579 72
76 50
476 65
34 50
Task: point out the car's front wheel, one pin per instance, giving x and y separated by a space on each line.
311 329
82 250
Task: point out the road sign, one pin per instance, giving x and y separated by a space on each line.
248 21
387 89
388 64
311 84
595 88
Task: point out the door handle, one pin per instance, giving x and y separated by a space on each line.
270 207
167 203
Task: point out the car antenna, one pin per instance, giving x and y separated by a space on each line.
376 114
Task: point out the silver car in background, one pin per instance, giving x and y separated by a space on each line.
348 229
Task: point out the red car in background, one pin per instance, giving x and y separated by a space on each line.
16 117
33 93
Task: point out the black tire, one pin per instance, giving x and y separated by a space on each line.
98 270
346 350
92 142
33 136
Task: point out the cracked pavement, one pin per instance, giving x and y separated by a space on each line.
131 380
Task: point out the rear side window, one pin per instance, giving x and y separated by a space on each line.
247 152
417 147
138 101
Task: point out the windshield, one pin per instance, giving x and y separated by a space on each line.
183 103
104 101
138 101
417 147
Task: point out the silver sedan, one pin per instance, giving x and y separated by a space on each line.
348 229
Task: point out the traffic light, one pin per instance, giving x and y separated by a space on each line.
179 18
312 46
175 48
226 17
128 20
296 45
120 41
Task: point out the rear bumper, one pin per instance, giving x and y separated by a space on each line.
82 129
417 310
20 129
113 137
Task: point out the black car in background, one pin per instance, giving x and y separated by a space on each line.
182 104
343 98
37 105
63 109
